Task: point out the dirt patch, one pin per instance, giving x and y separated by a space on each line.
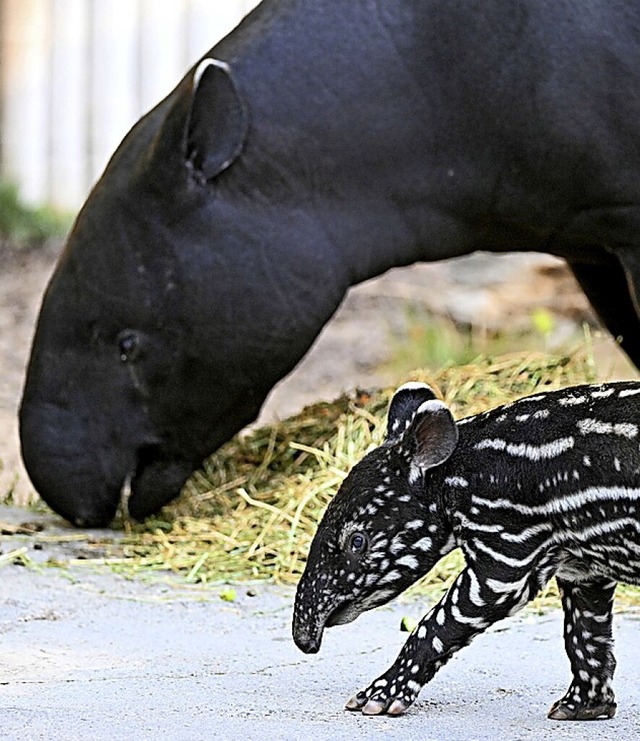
23 277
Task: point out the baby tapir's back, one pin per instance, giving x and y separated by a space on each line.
565 466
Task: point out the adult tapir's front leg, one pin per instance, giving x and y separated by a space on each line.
588 642
468 608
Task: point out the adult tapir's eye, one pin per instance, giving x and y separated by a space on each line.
357 542
128 345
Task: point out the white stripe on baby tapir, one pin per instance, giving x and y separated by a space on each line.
508 560
529 532
532 452
474 590
628 392
572 400
597 427
471 525
558 505
602 528
603 394
507 587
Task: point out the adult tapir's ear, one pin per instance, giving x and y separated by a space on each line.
217 122
433 435
405 403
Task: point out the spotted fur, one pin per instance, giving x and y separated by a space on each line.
547 486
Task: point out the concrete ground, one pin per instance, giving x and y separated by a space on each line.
87 655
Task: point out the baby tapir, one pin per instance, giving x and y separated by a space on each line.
548 485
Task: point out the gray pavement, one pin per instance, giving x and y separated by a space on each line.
86 655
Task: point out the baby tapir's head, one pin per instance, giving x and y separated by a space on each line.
384 528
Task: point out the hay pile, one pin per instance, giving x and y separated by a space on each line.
252 510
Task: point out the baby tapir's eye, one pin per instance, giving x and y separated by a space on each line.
358 542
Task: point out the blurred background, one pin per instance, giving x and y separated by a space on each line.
75 75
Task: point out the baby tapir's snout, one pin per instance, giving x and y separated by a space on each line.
546 486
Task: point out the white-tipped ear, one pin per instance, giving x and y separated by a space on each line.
405 403
433 433
218 122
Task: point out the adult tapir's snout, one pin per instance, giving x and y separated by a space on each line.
83 473
62 463
80 465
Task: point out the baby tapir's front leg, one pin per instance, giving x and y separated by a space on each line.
588 642
469 607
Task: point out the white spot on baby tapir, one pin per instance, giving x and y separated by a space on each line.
532 452
424 544
541 414
397 545
409 561
392 575
456 481
586 460
522 417
437 645
596 427
414 524
616 464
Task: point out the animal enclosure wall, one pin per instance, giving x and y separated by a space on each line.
76 74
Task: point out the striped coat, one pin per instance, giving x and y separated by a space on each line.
547 486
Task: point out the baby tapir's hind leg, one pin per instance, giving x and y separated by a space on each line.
588 642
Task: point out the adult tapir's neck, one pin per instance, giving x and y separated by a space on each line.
339 110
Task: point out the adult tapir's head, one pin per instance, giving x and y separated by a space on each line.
218 242
170 314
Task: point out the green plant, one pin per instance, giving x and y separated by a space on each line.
23 225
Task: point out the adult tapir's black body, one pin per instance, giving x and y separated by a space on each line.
345 137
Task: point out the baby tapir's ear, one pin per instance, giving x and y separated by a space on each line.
432 436
405 403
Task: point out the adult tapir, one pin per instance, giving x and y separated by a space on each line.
319 144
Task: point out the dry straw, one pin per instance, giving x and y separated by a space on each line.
251 511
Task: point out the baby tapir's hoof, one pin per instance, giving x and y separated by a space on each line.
562 710
375 707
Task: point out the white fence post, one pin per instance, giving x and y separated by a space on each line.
68 170
25 85
75 75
